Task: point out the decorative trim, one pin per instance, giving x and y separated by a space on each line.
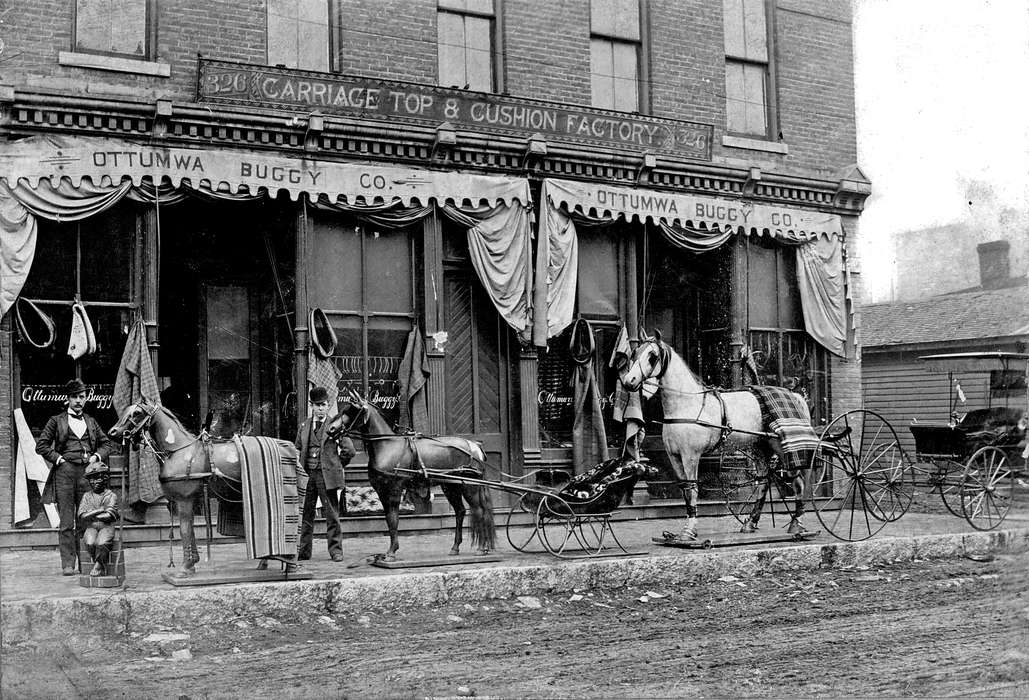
755 144
113 63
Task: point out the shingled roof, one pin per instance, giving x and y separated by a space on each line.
994 313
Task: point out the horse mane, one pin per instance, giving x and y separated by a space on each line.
672 353
174 418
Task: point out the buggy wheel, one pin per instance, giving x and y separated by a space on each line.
949 476
860 476
558 525
521 536
746 483
987 488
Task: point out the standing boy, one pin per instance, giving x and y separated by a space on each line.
323 459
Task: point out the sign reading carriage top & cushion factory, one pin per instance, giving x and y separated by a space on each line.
261 86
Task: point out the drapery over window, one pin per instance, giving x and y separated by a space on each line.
698 224
69 178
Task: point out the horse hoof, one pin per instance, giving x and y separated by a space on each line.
454 552
482 552
262 565
749 526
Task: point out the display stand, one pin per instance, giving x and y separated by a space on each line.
735 540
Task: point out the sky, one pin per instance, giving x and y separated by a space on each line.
942 91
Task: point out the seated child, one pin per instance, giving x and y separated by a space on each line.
97 514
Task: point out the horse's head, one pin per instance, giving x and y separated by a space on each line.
353 414
133 422
649 361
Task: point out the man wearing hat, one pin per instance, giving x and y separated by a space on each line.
70 441
323 459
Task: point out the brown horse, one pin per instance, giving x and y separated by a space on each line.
187 462
393 460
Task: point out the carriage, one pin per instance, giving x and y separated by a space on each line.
971 460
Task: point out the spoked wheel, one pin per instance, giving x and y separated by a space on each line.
861 474
745 480
949 477
558 529
987 489
520 536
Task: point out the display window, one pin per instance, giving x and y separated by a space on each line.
364 278
602 298
92 262
782 351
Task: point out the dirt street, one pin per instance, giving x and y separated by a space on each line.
922 628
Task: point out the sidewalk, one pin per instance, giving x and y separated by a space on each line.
35 599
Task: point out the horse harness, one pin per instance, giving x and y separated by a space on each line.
200 443
724 427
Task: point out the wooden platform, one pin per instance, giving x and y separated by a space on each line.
736 540
438 561
235 575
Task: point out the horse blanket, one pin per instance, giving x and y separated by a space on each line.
786 414
271 496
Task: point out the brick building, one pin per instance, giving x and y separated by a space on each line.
221 169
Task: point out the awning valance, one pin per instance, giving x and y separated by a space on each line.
600 200
111 161
694 223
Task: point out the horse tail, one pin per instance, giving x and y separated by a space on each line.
484 530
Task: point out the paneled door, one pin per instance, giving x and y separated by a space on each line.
477 371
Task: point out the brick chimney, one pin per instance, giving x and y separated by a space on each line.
994 267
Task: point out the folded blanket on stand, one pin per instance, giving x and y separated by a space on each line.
786 414
271 503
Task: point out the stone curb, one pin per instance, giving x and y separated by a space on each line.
304 601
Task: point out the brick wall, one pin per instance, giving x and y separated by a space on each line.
546 55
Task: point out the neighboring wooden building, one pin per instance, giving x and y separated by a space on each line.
893 380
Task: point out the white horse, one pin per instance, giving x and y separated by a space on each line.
697 419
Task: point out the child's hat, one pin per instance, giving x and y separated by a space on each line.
96 469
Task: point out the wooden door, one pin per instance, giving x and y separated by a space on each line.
477 376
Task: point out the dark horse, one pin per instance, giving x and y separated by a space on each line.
187 462
395 460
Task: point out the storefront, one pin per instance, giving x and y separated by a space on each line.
466 249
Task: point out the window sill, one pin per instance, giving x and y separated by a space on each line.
755 144
113 63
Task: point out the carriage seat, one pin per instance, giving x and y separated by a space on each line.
994 426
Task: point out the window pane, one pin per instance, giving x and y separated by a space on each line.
313 41
483 7
228 323
479 54
388 270
755 30
791 315
52 275
601 72
387 339
335 272
283 47
108 244
754 86
450 40
762 296
735 104
617 18
95 29
598 274
626 88
732 20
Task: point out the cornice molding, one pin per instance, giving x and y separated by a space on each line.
340 139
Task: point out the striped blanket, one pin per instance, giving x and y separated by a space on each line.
271 496
786 414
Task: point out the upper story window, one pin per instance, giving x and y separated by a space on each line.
298 34
132 35
615 49
466 38
748 69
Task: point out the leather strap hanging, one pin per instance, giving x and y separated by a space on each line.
82 342
23 331
323 338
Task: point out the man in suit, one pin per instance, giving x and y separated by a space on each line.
323 460
71 440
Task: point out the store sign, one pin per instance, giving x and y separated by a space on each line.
57 156
101 395
676 207
366 98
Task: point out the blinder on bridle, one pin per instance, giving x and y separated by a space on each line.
359 418
138 420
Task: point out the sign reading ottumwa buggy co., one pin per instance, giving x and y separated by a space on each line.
328 93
